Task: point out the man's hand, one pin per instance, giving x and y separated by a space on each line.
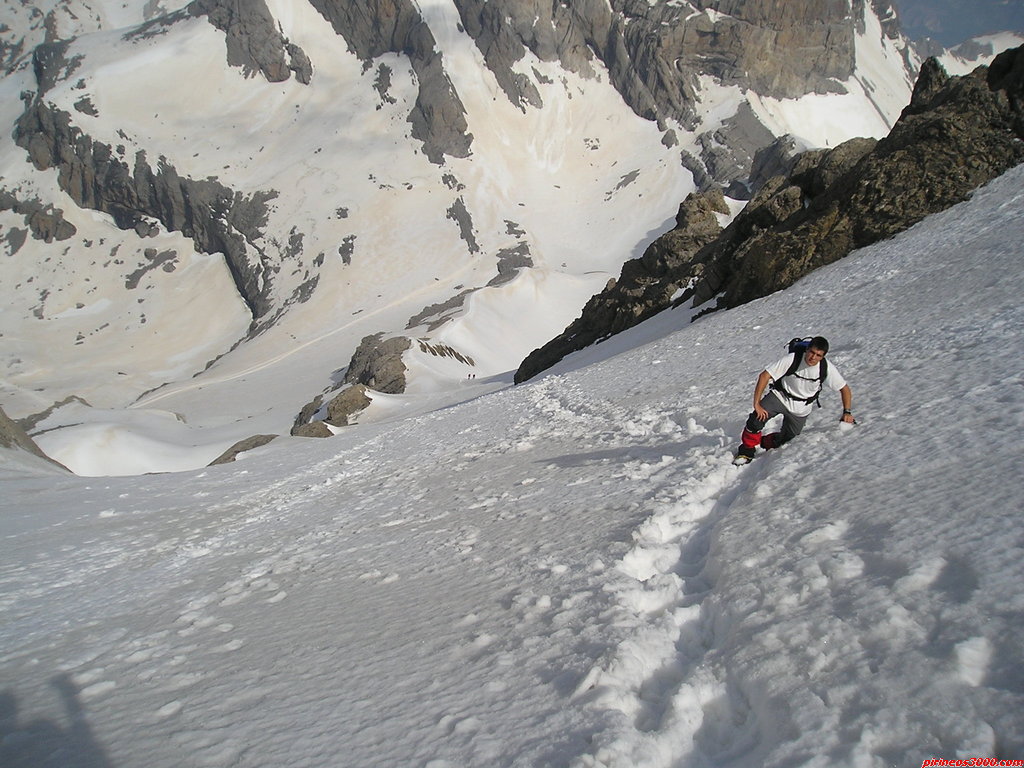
762 414
847 418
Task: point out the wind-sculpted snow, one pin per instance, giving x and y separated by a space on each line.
570 572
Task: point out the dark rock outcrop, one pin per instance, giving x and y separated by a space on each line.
312 429
956 134
253 40
728 152
13 437
774 159
351 399
242 446
377 363
347 403
948 142
375 27
44 221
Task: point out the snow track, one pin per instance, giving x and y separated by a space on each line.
662 696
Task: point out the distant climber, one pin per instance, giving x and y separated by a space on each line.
795 382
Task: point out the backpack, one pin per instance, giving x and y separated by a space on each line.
799 347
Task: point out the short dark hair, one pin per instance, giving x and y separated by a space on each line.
819 342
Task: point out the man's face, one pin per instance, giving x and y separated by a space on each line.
813 356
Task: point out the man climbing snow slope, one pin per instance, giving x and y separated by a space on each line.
795 382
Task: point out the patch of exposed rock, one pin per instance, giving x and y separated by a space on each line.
956 134
312 429
349 402
655 53
13 437
44 221
728 152
242 446
375 365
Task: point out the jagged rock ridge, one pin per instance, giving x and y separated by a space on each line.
956 134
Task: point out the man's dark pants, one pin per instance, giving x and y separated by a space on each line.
791 426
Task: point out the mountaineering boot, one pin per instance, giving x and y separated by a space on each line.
744 455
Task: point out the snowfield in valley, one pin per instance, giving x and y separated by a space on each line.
570 572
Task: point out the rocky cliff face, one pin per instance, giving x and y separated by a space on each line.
137 196
375 27
253 40
654 52
956 134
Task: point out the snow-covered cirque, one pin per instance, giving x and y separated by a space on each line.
571 572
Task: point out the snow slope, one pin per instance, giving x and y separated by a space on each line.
571 572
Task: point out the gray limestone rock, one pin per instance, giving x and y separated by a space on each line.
728 152
312 429
377 363
436 315
308 410
51 65
775 159
965 132
461 216
218 219
347 403
653 51
44 221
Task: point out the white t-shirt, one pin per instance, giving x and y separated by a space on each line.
803 383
